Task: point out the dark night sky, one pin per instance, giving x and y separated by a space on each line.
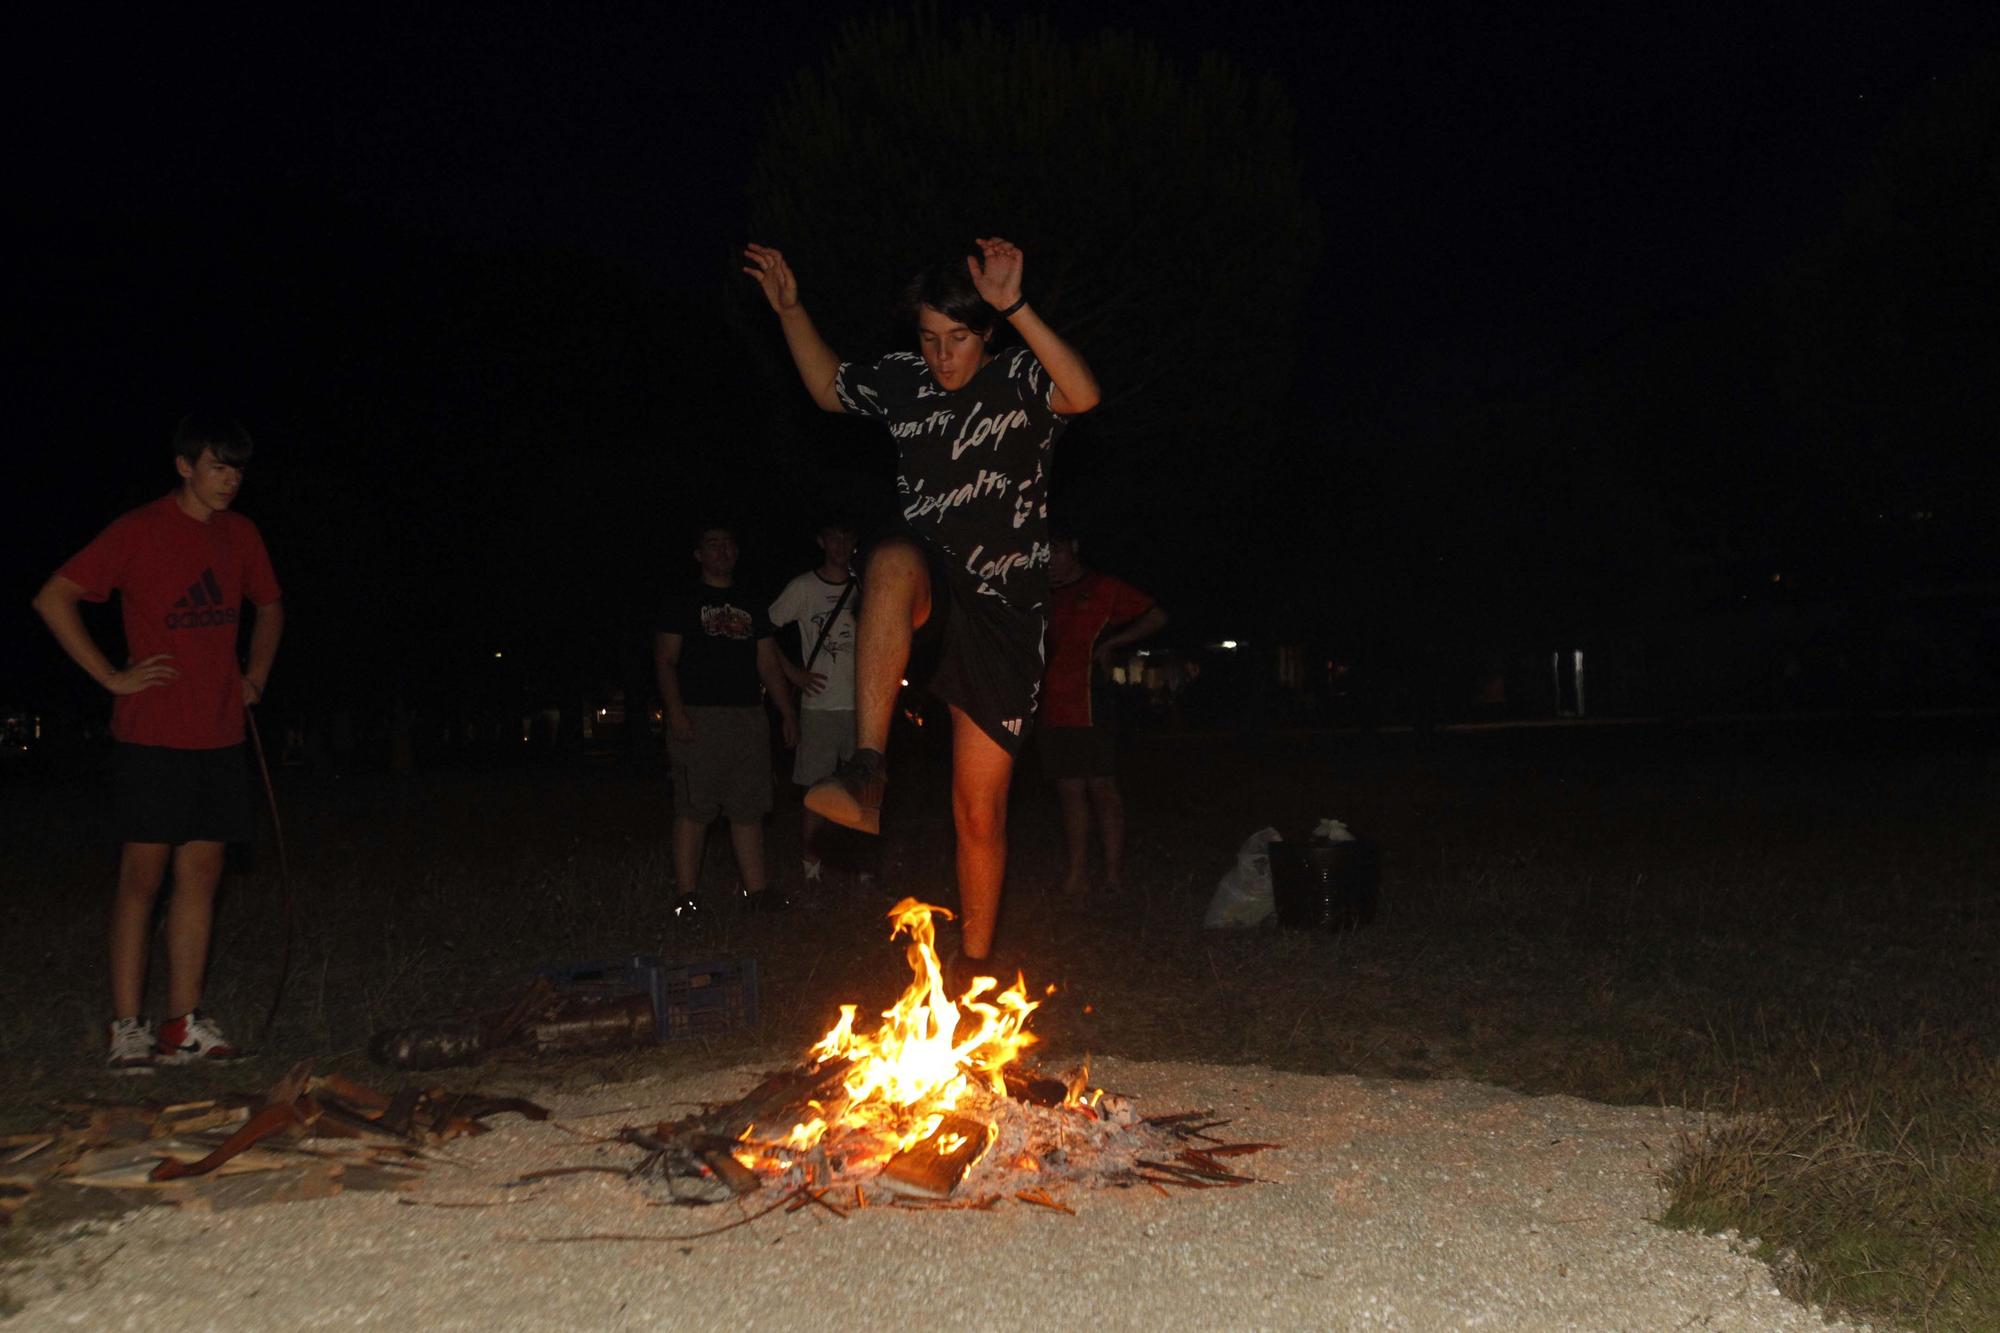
1502 188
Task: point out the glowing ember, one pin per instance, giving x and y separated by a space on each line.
911 1072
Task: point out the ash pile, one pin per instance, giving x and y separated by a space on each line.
1034 1142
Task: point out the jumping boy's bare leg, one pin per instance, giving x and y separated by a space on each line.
897 604
141 867
980 771
190 914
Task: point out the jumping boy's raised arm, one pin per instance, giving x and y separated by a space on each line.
997 275
817 362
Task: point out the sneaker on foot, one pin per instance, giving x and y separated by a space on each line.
960 971
767 900
195 1038
131 1047
852 795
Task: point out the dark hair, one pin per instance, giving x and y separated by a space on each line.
224 435
946 287
703 529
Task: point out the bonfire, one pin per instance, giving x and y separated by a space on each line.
936 1095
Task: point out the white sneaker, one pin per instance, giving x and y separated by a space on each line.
194 1037
130 1050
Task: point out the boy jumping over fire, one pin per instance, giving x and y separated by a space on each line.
973 432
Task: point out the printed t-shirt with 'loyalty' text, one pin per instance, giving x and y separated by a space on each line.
971 463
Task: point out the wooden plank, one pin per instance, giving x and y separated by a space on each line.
218 1194
932 1168
194 1122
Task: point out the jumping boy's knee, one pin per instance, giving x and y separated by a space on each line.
895 561
980 818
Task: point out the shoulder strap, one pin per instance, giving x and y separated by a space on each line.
826 626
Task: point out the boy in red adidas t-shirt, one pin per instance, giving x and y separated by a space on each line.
182 566
1091 616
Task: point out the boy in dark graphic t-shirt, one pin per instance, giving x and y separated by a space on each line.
973 432
715 657
183 567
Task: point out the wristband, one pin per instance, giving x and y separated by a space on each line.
1013 309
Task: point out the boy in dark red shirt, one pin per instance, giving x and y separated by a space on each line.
1091 616
182 566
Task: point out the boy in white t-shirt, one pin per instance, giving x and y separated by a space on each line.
824 603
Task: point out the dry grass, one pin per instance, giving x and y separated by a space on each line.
1796 926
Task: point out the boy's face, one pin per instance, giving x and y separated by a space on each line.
211 482
716 553
837 544
952 351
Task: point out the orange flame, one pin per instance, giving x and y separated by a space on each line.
927 1051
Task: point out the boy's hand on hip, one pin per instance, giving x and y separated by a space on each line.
143 675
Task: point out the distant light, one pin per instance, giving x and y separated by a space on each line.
906 684
1229 644
499 654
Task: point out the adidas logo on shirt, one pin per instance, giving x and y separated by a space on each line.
1012 726
202 606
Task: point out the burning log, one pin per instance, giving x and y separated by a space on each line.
783 1096
1037 1089
932 1167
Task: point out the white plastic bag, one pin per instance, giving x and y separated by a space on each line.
1243 895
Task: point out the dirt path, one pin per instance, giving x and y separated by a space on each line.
1394 1205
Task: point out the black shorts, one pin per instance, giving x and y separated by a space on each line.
1078 752
988 655
160 794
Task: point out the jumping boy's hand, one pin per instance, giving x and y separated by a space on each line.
143 675
773 274
996 272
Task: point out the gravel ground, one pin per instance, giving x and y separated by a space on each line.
1438 1205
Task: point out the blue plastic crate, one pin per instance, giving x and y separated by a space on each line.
689 999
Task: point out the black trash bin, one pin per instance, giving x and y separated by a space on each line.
1324 885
